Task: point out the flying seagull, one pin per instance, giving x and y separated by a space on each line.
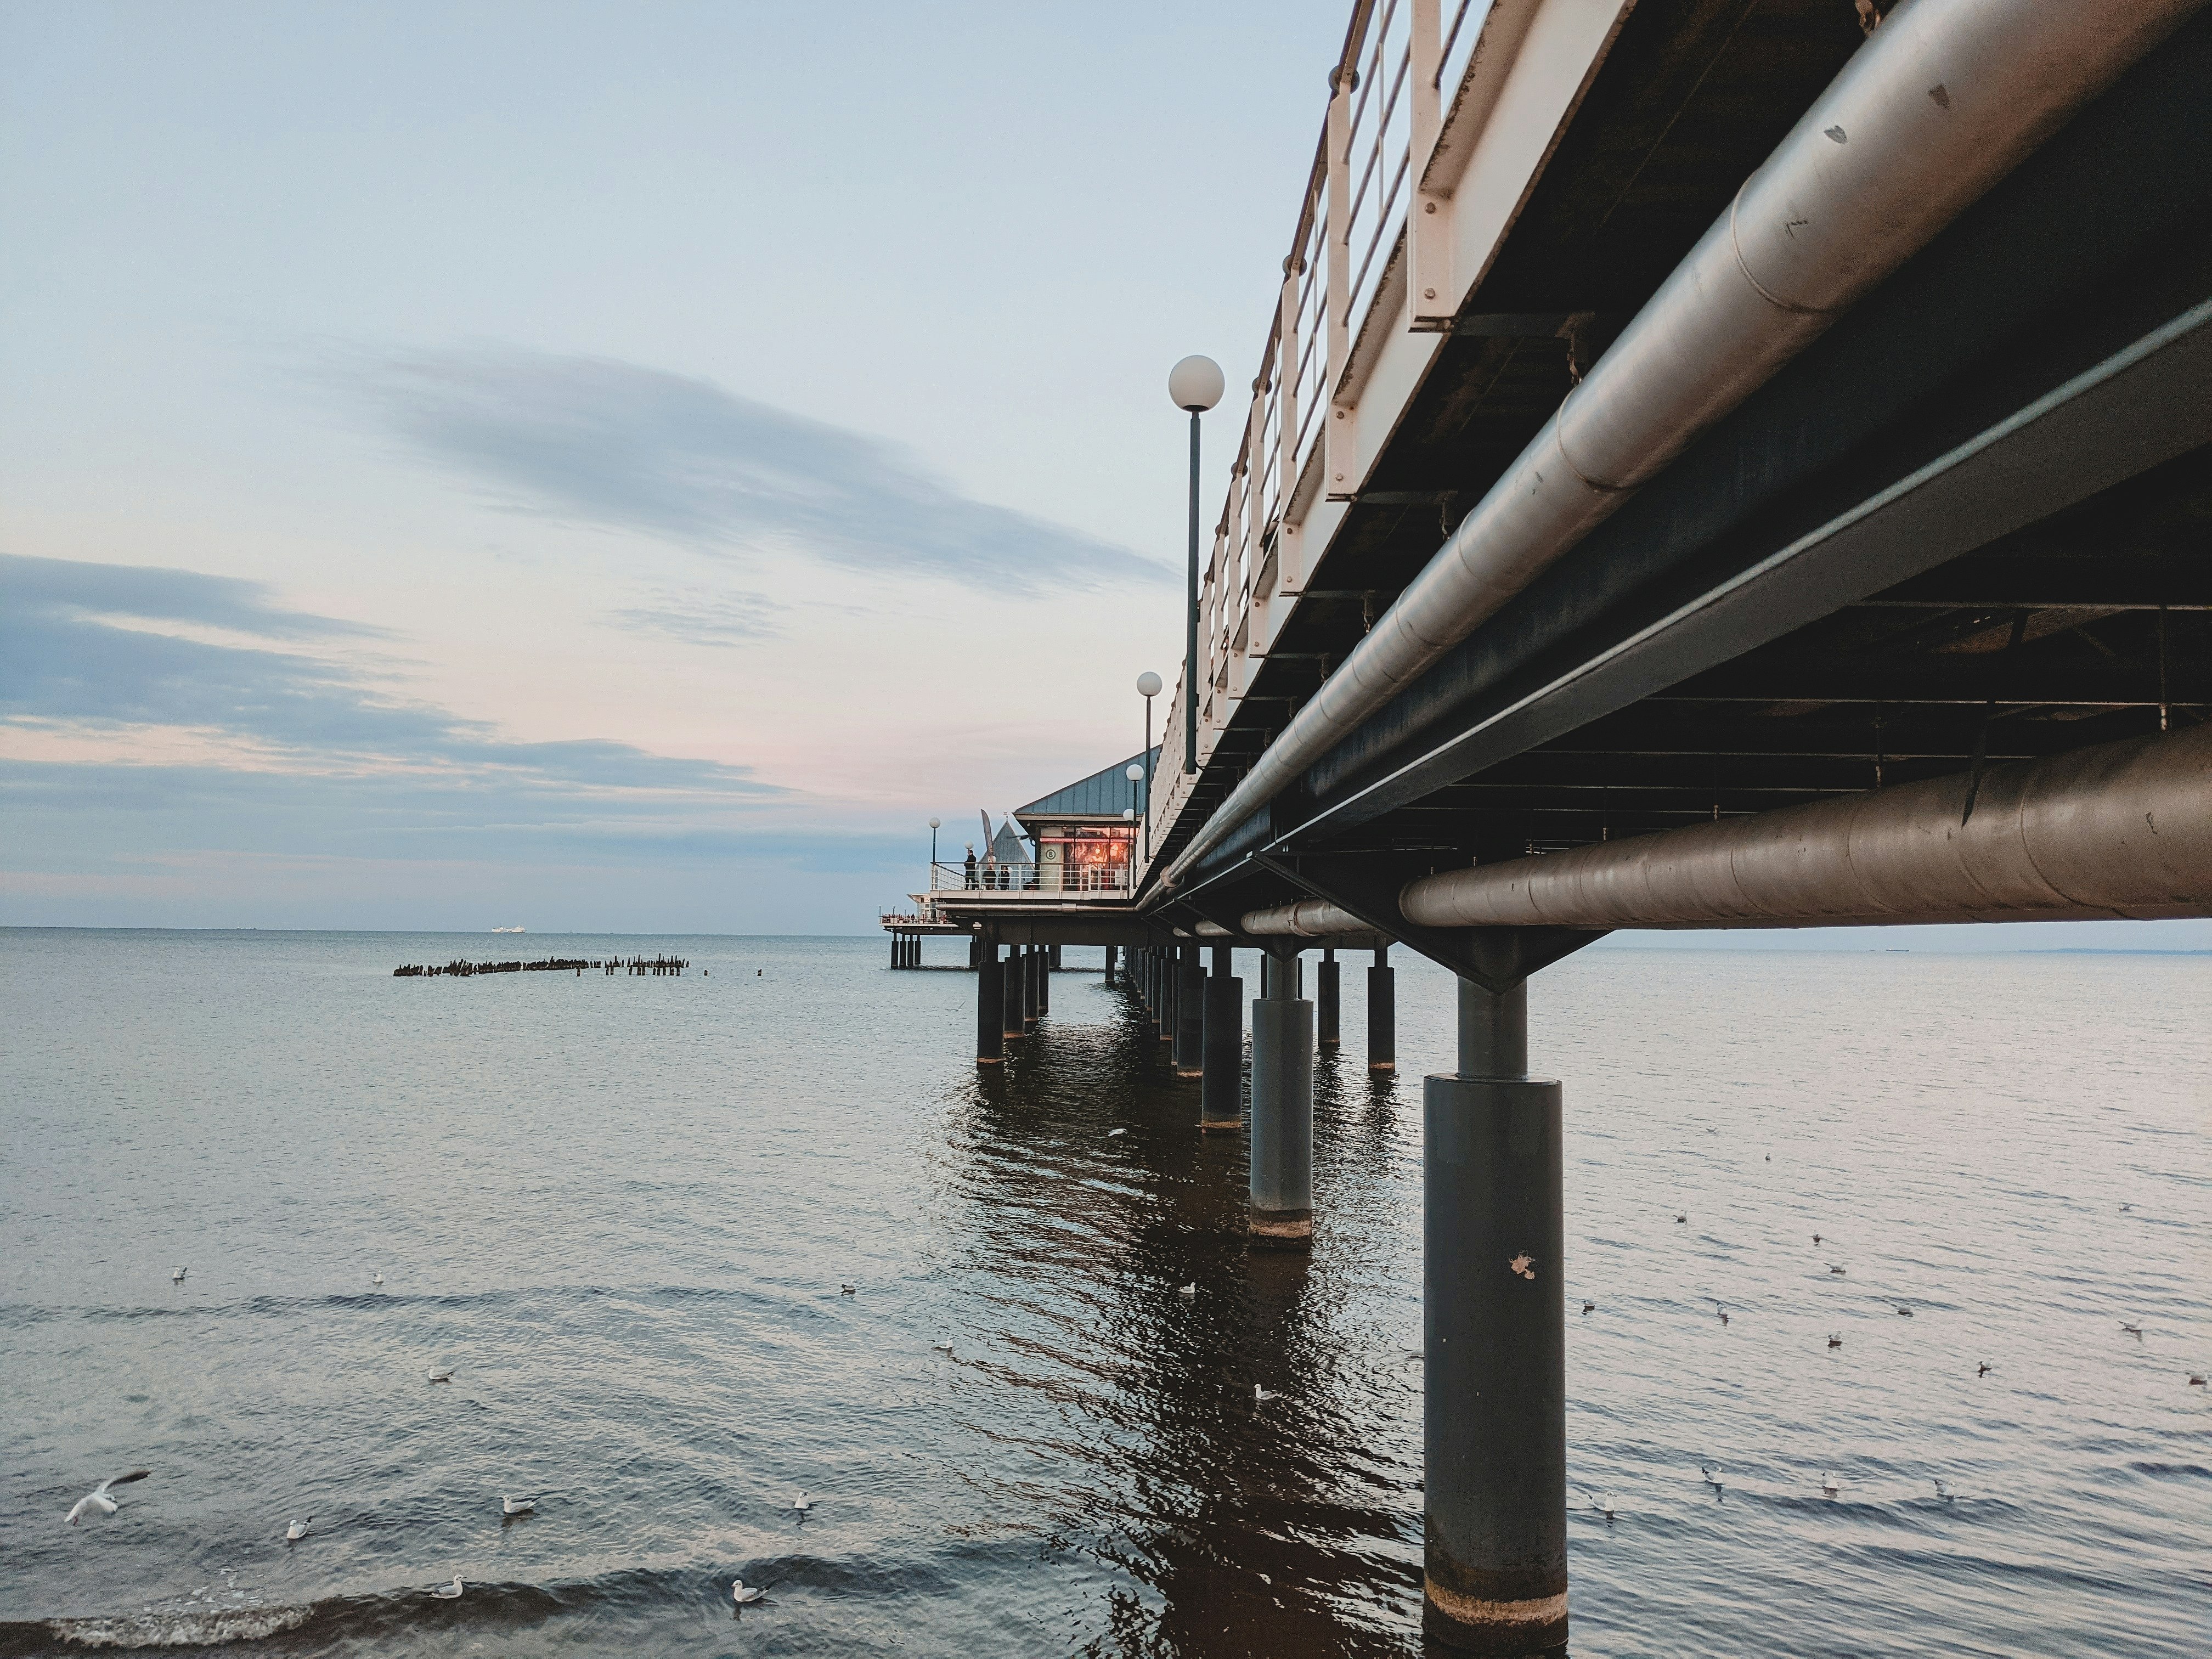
1983 1369
98 1500
517 1505
298 1530
2132 1330
448 1592
746 1594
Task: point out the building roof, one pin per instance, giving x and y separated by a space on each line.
1007 845
1103 794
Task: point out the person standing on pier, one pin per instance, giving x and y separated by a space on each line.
971 865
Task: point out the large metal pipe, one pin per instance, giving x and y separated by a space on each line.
2121 829
1945 99
1301 919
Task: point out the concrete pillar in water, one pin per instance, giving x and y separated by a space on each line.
1190 1013
1494 1325
1029 987
897 951
1381 1013
1010 995
1220 1096
1281 1214
1326 1006
990 999
1109 965
1047 959
1163 976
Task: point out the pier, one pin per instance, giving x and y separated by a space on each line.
1706 466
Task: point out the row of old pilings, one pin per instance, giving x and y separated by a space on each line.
1012 994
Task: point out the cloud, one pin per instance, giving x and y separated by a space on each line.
596 441
702 616
69 667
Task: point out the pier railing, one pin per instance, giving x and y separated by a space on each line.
1372 259
1029 879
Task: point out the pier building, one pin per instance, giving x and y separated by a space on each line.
1708 463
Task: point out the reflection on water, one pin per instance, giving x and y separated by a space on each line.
621 1209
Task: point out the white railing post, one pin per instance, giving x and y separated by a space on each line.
1290 563
1429 291
1342 437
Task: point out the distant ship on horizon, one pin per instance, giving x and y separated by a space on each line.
509 930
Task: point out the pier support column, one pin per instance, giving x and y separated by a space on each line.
1029 987
1170 983
1046 954
1281 1214
1328 1002
990 1000
1494 1323
1190 1014
1221 1094
1381 1013
1010 995
1109 966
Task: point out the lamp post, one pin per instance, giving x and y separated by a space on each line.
932 847
1194 384
1148 687
1136 776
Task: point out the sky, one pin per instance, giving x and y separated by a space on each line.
604 467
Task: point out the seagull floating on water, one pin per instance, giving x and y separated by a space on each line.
1828 1484
298 1530
2196 1379
2132 1330
942 1347
1589 1307
1712 1474
1262 1394
1906 1311
1110 1133
1983 1369
1816 1238
746 1594
517 1505
178 1277
1833 1268
377 1279
802 1503
1721 1311
448 1592
1681 1217
1604 1507
1835 1341
443 1374
1943 1491
1190 1289
97 1499
846 1290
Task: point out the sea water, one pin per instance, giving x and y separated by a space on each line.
621 1209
